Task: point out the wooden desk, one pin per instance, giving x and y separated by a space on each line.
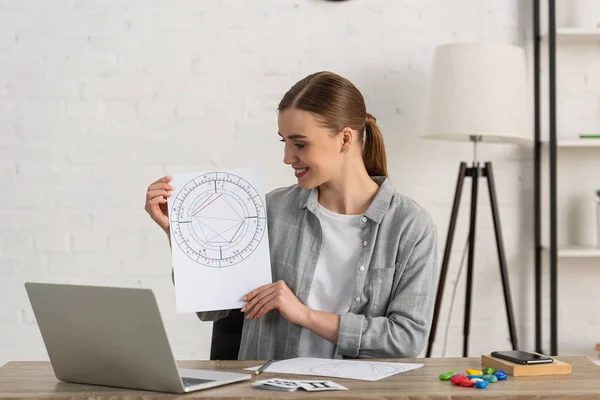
35 379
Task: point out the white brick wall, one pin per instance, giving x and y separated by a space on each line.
99 98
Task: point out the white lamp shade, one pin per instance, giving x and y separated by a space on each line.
478 89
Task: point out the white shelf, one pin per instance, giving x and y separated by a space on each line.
576 35
575 143
577 251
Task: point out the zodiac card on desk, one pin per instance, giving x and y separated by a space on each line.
293 385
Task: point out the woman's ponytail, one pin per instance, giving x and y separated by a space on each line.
374 150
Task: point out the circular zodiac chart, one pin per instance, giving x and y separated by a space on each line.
353 369
218 219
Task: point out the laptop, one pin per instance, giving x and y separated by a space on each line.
112 336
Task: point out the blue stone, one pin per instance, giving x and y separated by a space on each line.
481 384
501 375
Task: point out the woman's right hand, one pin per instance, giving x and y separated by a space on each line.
156 201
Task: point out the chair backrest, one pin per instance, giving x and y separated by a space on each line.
226 336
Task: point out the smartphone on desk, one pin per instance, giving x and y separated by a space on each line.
522 357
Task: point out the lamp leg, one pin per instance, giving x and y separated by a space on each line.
488 171
474 172
446 260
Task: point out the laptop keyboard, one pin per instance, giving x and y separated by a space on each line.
194 381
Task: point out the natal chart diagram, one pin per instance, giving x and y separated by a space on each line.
354 369
337 368
218 219
219 238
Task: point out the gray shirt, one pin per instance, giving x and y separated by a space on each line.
394 286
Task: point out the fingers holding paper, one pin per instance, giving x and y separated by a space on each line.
156 201
275 296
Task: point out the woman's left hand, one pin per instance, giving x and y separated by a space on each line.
275 296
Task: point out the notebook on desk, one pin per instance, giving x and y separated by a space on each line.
113 337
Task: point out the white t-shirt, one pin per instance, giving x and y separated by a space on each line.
333 279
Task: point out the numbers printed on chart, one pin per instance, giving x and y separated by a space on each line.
218 219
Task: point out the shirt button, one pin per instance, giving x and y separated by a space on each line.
365 243
361 268
364 219
357 299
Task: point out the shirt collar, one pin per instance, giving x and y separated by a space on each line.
376 210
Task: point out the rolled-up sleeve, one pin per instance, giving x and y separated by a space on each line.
403 330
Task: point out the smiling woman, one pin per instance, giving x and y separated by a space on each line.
329 110
354 262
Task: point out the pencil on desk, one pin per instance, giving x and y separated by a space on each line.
263 367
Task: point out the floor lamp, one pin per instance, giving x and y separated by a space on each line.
478 93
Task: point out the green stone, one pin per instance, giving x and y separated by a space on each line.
490 378
447 376
489 371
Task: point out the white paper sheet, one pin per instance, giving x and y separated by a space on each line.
219 238
350 369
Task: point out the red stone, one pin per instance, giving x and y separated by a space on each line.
457 379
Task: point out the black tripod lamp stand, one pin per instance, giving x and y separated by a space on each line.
478 93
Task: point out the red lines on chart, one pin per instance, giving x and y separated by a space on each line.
221 219
221 234
229 204
217 219
193 215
